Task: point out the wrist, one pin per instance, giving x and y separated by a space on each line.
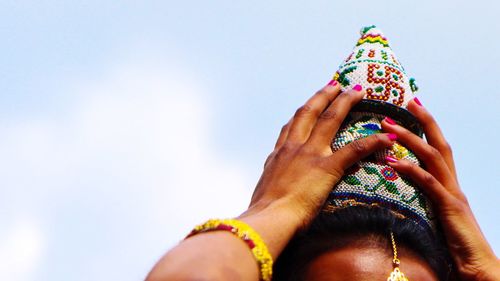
275 222
490 272
277 212
487 270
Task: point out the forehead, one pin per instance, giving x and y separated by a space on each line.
365 263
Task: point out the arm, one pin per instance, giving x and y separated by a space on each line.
297 177
474 259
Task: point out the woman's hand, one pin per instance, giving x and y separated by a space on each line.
301 171
473 256
297 178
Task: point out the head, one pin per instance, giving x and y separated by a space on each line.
354 243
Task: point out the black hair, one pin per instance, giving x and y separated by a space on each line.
346 226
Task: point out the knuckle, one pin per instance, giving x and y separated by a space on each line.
411 167
359 146
269 158
377 141
328 115
286 148
455 205
280 155
445 146
285 128
377 138
462 198
303 110
433 153
428 179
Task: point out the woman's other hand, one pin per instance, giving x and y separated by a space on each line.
473 256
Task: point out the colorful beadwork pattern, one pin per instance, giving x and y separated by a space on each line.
373 65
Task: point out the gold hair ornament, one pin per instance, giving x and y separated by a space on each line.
396 274
331 208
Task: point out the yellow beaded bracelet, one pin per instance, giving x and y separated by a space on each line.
248 235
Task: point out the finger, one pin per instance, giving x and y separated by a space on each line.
305 117
355 151
426 181
429 155
269 157
283 135
331 119
433 133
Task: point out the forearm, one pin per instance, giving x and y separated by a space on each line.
214 255
490 271
220 255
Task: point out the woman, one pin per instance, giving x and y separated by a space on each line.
297 178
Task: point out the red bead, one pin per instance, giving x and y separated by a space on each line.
224 227
250 244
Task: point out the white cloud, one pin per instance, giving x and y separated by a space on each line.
20 249
117 177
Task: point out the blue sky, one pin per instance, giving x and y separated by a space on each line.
124 123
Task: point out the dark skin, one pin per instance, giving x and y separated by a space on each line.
366 263
297 178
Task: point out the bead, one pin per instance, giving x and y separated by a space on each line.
248 235
225 227
372 181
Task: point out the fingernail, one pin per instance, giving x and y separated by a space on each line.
392 137
391 159
417 101
333 83
358 88
390 121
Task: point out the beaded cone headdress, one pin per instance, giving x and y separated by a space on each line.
373 65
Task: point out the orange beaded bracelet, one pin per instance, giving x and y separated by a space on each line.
248 235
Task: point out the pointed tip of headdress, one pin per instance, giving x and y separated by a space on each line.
372 34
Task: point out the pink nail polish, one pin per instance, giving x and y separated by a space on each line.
333 83
358 88
417 101
390 121
392 137
391 159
